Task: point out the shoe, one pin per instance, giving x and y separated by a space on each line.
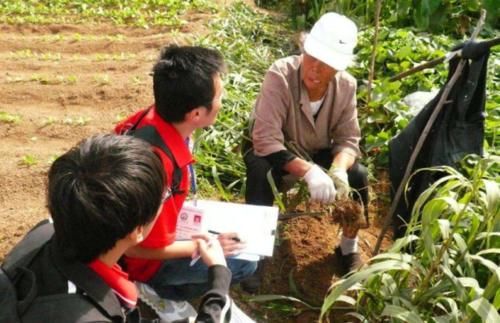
167 310
348 262
251 284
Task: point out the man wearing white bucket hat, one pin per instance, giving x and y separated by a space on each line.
305 126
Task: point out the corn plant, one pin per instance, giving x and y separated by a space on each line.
446 269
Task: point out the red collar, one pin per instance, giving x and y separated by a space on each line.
118 281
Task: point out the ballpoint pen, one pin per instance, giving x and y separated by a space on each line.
197 255
217 233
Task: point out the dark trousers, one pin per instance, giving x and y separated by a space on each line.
259 192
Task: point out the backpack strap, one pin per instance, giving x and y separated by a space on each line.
90 283
151 135
26 250
97 303
8 300
134 126
19 258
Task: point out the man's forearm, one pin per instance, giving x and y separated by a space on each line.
343 160
178 249
299 167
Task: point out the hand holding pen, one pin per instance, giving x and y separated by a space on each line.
196 239
231 243
211 252
209 249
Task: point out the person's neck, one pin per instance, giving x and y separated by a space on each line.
111 257
316 95
184 129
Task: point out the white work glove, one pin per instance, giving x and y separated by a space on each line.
341 181
320 185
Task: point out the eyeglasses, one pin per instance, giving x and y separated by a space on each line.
166 194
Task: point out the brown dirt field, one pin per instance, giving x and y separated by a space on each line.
67 82
64 82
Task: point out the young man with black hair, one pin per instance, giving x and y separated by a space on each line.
104 196
107 188
188 92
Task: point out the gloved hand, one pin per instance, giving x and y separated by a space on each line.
320 185
341 182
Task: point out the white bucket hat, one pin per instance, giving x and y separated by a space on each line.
332 40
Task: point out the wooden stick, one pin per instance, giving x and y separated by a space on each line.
434 62
371 73
418 68
423 137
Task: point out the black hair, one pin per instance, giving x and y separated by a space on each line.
100 191
183 79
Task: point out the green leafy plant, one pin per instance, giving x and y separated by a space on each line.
142 13
452 273
450 16
386 114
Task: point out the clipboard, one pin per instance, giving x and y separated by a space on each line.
255 224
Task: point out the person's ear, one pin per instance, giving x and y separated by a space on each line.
137 235
195 114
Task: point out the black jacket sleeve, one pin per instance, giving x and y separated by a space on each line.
280 158
215 304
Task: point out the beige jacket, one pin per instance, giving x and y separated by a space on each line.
282 113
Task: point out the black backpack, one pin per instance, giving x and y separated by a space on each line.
23 299
15 267
149 134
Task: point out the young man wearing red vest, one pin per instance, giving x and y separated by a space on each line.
188 92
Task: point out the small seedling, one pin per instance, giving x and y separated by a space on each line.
6 117
102 79
120 116
21 54
49 121
29 160
77 121
137 80
77 37
71 79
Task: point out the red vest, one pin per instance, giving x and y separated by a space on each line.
163 232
